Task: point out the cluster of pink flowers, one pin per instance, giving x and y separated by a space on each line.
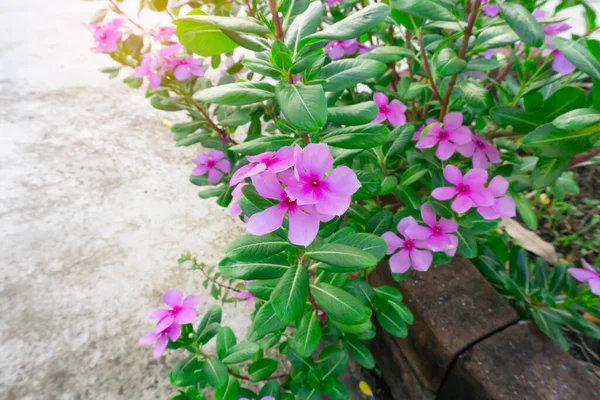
418 242
213 163
394 112
181 311
107 35
306 187
337 49
164 33
155 65
587 274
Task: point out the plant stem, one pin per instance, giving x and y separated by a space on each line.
276 21
201 268
120 11
583 157
272 377
461 55
425 60
220 131
250 9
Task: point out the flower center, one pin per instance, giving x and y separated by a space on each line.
409 245
463 188
383 109
444 135
479 144
314 183
211 163
437 230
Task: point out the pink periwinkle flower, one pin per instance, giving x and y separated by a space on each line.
447 136
181 310
262 398
161 338
214 163
488 54
165 33
234 207
482 151
560 63
149 68
312 183
337 49
332 2
470 190
436 233
107 35
270 161
186 67
587 274
245 295
503 206
414 250
491 10
393 112
420 129
303 219
550 29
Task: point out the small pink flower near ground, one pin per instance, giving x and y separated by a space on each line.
587 274
161 338
337 49
437 234
393 112
107 35
181 311
482 151
446 136
503 206
490 10
186 67
214 163
560 63
234 207
414 250
270 161
165 33
469 190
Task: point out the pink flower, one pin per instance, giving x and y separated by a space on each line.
362 49
336 49
303 220
469 191
271 161
321 315
419 131
161 338
503 206
234 206
488 54
149 68
482 151
164 33
186 67
393 112
451 134
560 64
249 297
332 2
414 251
107 35
214 163
587 274
550 29
308 185
490 10
437 234
181 311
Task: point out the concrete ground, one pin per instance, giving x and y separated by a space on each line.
95 209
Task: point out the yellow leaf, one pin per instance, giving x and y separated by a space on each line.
365 388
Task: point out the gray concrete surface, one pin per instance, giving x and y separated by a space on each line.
95 209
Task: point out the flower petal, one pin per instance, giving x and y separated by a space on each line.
266 221
223 166
427 142
498 186
185 316
303 228
191 301
461 135
400 262
332 203
173 297
453 121
482 197
506 207
158 314
393 242
396 114
267 185
160 347
316 159
462 204
284 159
453 246
421 259
214 176
448 225
199 170
475 178
164 323
445 150
174 332
582 275
453 175
405 223
380 99
595 286
148 338
480 159
438 243
428 214
444 193
216 155
342 180
418 232
488 213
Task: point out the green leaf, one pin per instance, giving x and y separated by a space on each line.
281 56
271 268
467 246
271 388
225 341
578 55
304 25
339 304
426 9
255 248
551 142
476 96
262 369
549 328
497 36
236 94
380 223
409 197
345 74
235 24
187 372
346 258
262 144
307 337
362 290
248 41
577 119
213 328
241 352
548 170
355 114
354 25
391 320
370 243
389 293
447 63
333 362
229 391
335 390
266 321
563 100
166 103
358 137
526 211
263 288
203 39
304 106
387 54
360 353
215 372
522 121
289 296
523 23
262 67
519 268
212 316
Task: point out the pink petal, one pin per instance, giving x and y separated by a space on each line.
333 203
444 193
202 158
492 11
266 221
400 262
199 170
342 180
581 274
445 150
492 153
182 73
595 286
488 213
453 246
587 265
482 197
173 332
161 345
265 157
191 301
421 259
561 65
427 142
283 160
336 52
428 214
185 316
214 176
461 135
418 232
393 242
302 193
216 155
316 159
453 175
303 227
267 185
396 114
246 172
405 223
475 178
462 204
498 186
452 121
480 160
381 116
506 207
173 297
244 295
466 149
148 338
438 243
158 314
380 99
164 323
448 225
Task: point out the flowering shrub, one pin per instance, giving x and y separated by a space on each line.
347 131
